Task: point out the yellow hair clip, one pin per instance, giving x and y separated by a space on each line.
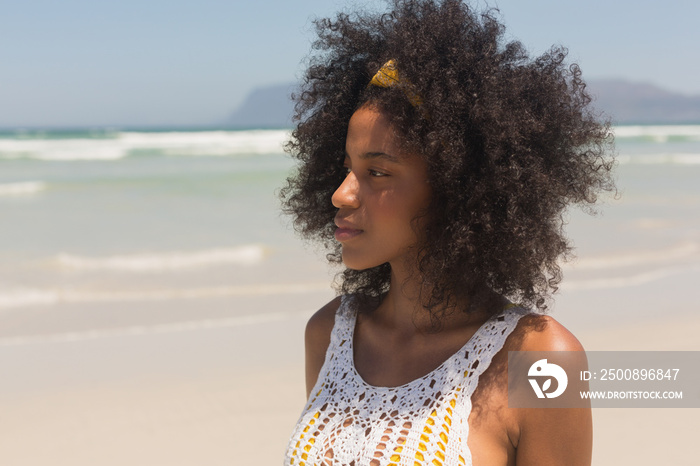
388 76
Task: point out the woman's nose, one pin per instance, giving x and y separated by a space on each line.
347 193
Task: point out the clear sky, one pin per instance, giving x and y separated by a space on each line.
186 62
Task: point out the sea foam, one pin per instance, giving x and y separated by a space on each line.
631 280
139 330
660 133
637 258
22 188
165 261
134 144
22 297
660 159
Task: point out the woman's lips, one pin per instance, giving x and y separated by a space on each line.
345 234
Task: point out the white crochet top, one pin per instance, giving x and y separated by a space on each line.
423 422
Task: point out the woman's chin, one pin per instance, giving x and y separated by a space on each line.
356 263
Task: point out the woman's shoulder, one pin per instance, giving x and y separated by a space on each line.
540 332
321 323
318 338
549 436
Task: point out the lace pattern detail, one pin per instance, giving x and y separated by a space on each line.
349 422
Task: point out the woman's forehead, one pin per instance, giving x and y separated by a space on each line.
370 122
370 132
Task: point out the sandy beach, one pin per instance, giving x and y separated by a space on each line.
230 394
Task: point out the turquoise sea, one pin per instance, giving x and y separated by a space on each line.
106 220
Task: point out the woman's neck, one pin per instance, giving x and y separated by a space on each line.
404 308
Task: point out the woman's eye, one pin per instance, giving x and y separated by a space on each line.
376 173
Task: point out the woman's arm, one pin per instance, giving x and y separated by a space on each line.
553 436
317 338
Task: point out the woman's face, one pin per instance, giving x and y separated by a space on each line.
384 191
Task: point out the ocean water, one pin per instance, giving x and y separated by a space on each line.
125 229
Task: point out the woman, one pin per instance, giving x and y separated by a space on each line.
435 163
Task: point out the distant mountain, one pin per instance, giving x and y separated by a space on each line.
629 102
265 107
624 101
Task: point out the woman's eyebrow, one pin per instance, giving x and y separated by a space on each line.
381 155
376 155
